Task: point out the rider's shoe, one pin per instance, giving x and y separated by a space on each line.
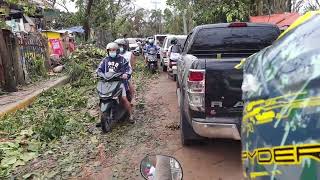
131 120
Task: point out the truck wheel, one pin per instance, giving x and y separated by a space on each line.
164 68
185 130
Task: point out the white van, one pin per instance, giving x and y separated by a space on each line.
164 49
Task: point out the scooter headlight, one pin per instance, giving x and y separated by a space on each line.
106 95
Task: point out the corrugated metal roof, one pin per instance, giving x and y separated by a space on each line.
281 20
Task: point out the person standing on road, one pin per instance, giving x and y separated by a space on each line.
116 63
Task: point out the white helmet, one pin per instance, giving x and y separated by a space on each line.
151 41
112 45
124 43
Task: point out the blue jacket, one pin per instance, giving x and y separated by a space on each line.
152 49
117 64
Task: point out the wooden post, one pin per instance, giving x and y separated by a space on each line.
45 49
10 81
17 62
1 74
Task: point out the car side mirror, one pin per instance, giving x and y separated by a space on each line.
154 167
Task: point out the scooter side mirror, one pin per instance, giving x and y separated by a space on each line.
156 167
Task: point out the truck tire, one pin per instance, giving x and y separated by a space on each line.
185 130
187 134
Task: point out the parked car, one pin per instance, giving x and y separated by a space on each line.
164 61
209 87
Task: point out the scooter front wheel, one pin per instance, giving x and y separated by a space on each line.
106 122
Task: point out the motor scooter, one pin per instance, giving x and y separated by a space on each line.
110 91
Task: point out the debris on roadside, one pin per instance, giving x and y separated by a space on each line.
60 125
173 126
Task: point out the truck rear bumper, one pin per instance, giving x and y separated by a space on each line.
216 130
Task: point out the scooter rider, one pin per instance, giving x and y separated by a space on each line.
174 48
116 63
151 49
124 51
145 49
130 57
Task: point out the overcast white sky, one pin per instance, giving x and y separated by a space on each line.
146 4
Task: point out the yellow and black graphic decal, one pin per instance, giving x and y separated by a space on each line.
283 155
279 108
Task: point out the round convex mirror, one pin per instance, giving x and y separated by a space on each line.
161 167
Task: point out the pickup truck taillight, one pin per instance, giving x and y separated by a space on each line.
196 89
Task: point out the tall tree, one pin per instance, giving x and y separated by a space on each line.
86 26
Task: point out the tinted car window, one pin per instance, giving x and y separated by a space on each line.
181 41
234 39
160 40
186 43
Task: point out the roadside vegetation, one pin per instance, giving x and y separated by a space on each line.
56 136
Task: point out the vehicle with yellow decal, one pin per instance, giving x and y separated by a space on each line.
281 121
209 88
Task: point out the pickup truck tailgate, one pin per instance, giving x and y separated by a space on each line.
223 88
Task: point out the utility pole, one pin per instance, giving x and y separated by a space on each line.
156 3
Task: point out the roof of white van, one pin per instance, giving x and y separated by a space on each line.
177 36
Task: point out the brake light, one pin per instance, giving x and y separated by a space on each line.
196 75
238 24
196 89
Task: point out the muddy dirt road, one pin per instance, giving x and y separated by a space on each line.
216 160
